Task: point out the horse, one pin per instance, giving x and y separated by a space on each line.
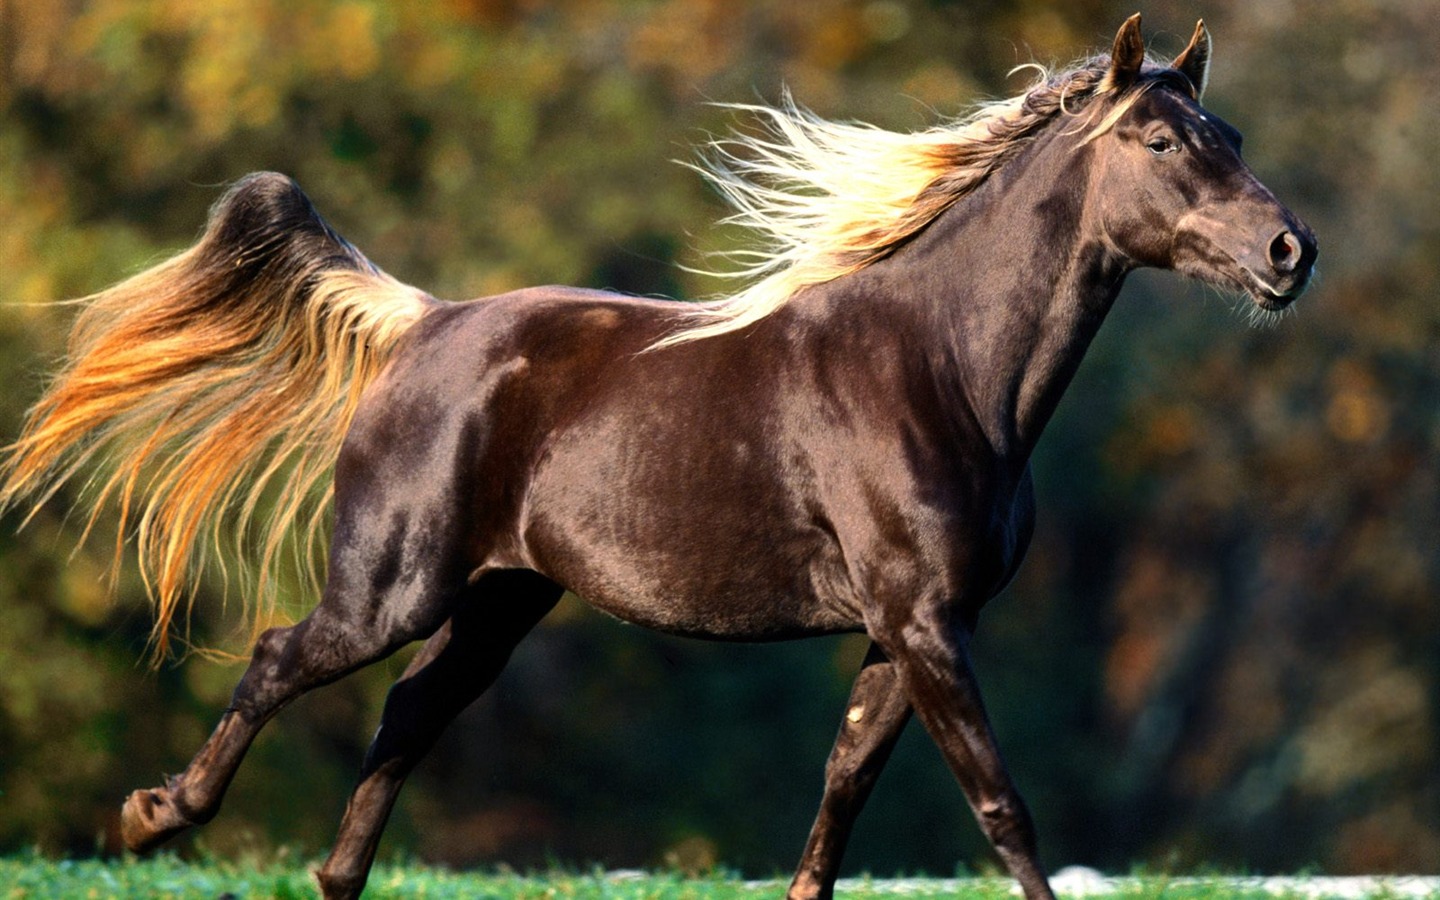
842 446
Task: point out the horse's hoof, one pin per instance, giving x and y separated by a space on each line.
148 819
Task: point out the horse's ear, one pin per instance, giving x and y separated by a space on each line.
1126 57
1194 61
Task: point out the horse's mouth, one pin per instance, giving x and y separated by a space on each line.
1270 301
1274 298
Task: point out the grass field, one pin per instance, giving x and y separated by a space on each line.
166 878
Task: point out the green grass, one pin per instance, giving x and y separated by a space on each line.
167 878
28 876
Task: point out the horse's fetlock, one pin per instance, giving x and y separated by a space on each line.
340 885
808 887
150 817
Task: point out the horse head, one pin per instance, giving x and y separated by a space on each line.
1173 191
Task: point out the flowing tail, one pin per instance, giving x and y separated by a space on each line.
209 395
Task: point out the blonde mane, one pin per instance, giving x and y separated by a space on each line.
828 198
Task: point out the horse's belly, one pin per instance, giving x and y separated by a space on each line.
738 590
736 615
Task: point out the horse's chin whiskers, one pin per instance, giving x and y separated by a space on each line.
1261 317
1233 298
1244 305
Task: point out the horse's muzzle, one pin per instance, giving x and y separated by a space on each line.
1288 264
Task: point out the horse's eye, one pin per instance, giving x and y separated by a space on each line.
1161 146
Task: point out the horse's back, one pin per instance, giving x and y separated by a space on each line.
537 430
459 417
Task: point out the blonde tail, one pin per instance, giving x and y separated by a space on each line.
216 383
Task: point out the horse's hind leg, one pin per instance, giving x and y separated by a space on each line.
874 717
455 666
394 575
331 642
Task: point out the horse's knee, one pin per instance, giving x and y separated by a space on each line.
1006 822
846 759
861 747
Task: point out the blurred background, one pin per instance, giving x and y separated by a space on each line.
1223 650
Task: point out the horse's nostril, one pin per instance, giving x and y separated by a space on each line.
1285 252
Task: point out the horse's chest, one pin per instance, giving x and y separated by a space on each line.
962 543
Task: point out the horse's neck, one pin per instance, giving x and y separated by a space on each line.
1014 283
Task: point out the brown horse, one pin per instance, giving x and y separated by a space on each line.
841 447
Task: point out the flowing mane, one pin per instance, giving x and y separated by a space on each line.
825 199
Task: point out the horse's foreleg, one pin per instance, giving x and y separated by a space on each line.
875 716
932 660
455 666
286 662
